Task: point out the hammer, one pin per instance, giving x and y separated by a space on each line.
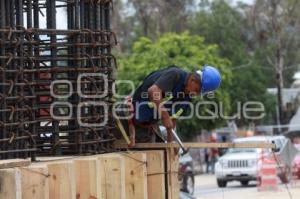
177 139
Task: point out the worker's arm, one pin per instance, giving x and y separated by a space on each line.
165 83
155 96
174 123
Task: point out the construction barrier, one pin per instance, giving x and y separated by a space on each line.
267 176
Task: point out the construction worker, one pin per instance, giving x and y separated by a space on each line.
155 98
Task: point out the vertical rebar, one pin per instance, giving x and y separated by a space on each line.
3 133
32 57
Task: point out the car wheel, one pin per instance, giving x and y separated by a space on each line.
221 183
245 182
188 183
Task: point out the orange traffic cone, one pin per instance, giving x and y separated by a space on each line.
268 175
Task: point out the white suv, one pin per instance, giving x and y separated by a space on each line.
242 164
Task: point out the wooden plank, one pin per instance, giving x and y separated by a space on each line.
196 145
87 178
156 174
10 184
172 172
48 159
35 182
135 175
112 176
5 164
62 184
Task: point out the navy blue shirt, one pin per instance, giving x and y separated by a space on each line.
171 81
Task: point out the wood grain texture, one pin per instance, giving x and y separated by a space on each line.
155 174
172 170
35 182
195 145
112 176
5 164
62 183
135 175
87 178
10 184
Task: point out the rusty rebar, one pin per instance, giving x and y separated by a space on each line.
33 55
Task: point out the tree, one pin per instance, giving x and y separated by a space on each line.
157 17
186 51
133 19
227 26
124 25
277 25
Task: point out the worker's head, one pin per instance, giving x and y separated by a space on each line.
193 85
210 79
205 80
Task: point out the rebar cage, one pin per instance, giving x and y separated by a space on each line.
55 77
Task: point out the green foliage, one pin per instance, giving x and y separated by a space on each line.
227 26
238 34
186 51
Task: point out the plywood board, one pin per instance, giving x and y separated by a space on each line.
62 184
195 145
10 184
135 175
172 170
87 178
5 164
155 174
35 182
112 176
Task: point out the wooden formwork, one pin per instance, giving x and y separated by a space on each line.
149 172
125 175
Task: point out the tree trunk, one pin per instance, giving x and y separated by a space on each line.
279 82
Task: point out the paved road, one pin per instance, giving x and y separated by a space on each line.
206 188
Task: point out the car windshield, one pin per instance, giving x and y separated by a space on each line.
242 150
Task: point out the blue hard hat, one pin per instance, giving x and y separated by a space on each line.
210 79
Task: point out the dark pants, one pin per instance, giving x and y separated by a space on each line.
143 133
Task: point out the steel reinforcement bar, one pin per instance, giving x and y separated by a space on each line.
56 77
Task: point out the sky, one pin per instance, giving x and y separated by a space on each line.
62 16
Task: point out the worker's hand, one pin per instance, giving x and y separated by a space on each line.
174 123
169 135
167 122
